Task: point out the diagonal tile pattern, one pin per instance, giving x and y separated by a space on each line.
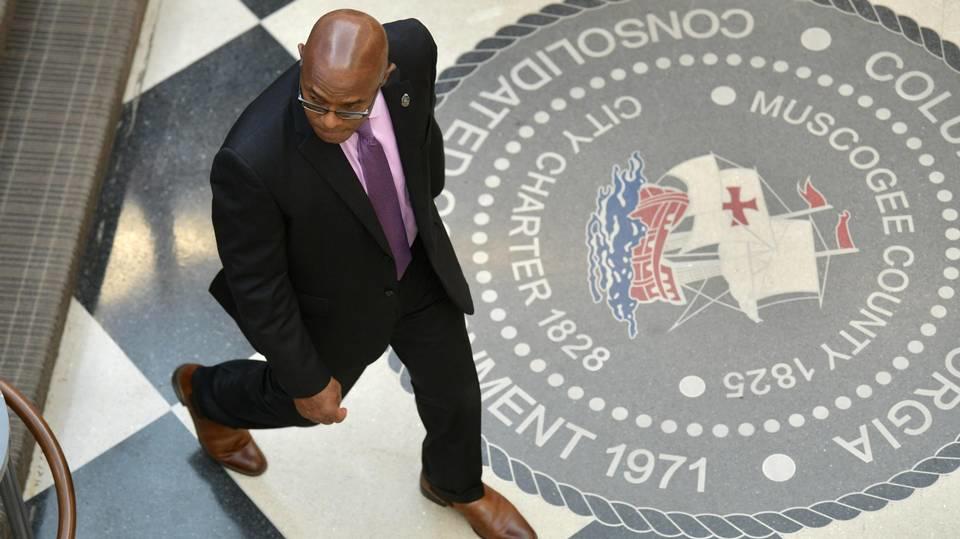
152 252
177 33
98 397
457 27
142 308
156 483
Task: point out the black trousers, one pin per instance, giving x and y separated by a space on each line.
429 338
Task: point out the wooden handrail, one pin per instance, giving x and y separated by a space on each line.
62 479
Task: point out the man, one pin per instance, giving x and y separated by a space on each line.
332 248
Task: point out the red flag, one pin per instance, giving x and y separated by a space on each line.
811 195
843 232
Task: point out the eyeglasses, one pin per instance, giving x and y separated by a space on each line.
342 114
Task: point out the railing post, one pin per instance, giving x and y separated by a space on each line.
59 469
13 505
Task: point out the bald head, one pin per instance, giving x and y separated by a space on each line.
344 63
344 40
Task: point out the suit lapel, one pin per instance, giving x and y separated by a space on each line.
329 161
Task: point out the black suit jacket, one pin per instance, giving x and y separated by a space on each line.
307 271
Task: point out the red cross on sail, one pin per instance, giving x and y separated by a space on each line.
719 201
739 206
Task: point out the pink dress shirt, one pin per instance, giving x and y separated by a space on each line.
382 128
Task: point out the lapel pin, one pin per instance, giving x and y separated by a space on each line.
405 100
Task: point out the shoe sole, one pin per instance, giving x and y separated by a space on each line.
433 498
176 389
176 386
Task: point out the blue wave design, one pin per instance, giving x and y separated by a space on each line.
611 235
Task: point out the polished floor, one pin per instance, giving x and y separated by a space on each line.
141 308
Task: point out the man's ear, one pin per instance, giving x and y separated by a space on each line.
300 50
390 69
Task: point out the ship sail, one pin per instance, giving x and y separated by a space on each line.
755 271
720 200
704 191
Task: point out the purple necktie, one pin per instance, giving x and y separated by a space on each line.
383 195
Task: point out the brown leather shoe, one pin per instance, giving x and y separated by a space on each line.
491 517
233 448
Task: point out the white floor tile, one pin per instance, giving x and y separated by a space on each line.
359 477
138 68
456 26
943 16
951 21
176 33
928 13
930 513
97 397
354 477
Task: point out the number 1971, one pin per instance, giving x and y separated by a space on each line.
641 464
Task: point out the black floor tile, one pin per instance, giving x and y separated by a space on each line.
157 483
262 8
146 281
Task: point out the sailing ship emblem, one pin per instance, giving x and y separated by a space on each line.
707 218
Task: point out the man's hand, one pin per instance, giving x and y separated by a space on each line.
324 407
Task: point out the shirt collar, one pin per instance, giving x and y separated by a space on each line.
378 105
